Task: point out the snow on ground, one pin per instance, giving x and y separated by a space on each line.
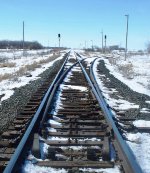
137 70
118 104
64 87
9 53
141 123
140 145
139 76
29 166
8 85
34 169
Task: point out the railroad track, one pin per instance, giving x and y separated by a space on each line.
73 130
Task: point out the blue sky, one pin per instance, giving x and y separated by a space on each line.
77 21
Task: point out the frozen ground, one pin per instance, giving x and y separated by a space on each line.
19 70
135 73
13 53
137 78
30 167
137 70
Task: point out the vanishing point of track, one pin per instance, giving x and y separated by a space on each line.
75 123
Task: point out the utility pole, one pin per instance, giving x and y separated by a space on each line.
105 42
23 39
102 40
85 44
92 44
59 42
127 16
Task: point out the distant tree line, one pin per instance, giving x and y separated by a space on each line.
7 44
108 49
148 47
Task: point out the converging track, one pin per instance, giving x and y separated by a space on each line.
73 129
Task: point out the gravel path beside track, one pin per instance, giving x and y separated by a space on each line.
15 104
125 92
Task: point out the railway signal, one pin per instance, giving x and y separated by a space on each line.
105 42
126 37
102 41
23 39
59 36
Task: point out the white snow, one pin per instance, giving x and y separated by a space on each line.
50 129
29 167
57 118
74 148
138 80
75 87
108 170
140 144
139 72
141 123
58 138
44 148
8 85
118 104
52 122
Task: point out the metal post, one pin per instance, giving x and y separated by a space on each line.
23 39
102 41
92 44
126 37
59 42
105 43
85 44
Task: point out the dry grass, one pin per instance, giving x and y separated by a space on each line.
112 61
7 64
5 76
86 54
25 69
49 59
127 70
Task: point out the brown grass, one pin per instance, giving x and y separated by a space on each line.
25 69
7 64
5 76
49 59
127 70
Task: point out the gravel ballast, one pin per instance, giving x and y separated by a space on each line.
11 107
125 93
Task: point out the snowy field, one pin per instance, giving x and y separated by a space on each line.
30 167
17 70
135 73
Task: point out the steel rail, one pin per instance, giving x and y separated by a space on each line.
53 92
45 105
129 160
22 147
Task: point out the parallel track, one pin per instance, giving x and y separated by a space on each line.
76 126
